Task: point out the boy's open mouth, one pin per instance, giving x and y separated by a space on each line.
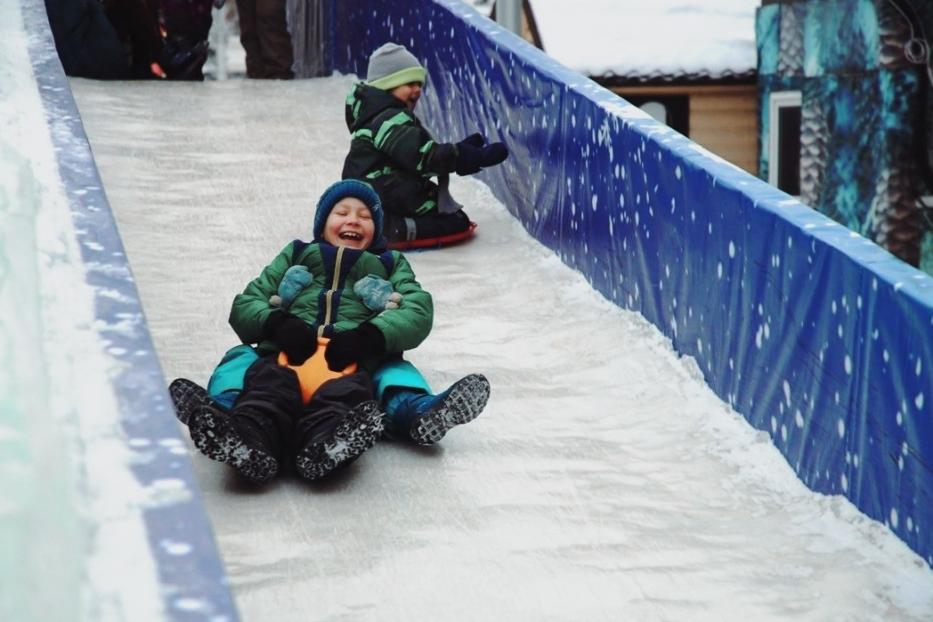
350 235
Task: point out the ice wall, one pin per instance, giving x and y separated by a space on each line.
816 335
42 537
100 516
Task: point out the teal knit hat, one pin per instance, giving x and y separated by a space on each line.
392 65
341 190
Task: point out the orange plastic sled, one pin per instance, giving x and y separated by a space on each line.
314 372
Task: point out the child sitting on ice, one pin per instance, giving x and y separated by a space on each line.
391 150
269 423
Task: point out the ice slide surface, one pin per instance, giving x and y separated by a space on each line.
604 481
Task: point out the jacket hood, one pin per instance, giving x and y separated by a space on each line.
364 102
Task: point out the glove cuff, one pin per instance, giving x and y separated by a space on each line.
273 322
443 158
374 337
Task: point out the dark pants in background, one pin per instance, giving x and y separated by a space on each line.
87 44
264 35
187 21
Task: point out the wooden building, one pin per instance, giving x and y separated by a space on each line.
715 105
719 113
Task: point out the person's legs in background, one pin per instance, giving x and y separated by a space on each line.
187 24
249 38
187 21
264 36
275 43
137 24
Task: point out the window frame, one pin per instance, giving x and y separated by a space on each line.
677 106
776 101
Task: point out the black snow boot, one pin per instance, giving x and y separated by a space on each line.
218 436
189 398
343 443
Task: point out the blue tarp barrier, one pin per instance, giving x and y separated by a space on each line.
193 584
813 333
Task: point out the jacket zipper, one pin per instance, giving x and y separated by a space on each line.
329 309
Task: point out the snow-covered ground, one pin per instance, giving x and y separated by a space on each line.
604 481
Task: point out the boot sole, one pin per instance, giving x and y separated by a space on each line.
214 435
354 435
189 398
464 403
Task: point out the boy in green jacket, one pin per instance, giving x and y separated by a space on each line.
269 423
391 150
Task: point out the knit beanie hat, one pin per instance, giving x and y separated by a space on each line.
392 65
341 190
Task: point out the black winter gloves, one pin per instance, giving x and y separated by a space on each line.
292 334
475 140
363 342
473 154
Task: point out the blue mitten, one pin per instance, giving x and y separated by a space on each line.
377 293
296 279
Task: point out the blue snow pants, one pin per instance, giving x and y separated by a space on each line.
226 382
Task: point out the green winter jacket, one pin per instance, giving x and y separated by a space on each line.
392 151
329 303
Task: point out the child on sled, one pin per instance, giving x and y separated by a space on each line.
391 150
270 422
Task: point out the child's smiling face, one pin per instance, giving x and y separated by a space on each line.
408 93
350 223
